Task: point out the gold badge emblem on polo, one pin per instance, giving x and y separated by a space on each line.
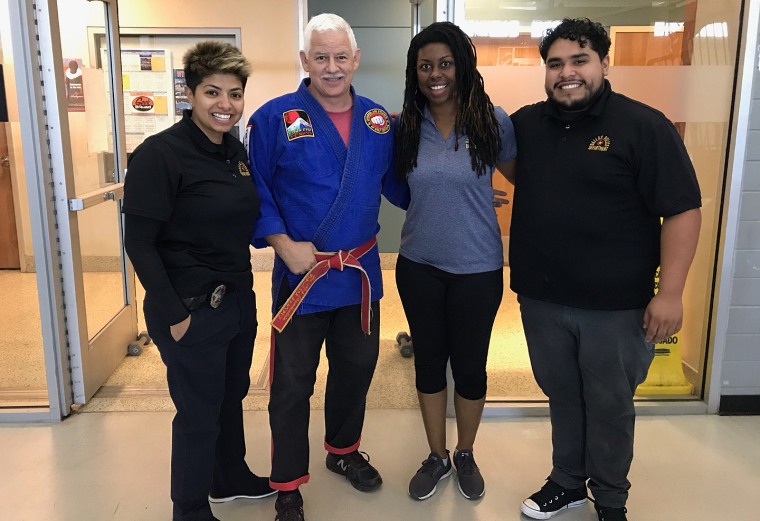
600 144
243 169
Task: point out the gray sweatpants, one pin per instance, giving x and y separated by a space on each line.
589 364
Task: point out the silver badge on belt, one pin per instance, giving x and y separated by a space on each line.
217 296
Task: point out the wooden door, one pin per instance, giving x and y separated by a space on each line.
9 258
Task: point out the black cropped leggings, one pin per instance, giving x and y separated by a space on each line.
450 317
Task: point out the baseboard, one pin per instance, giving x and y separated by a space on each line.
28 266
739 404
15 398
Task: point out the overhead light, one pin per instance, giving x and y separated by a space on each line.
714 30
666 28
492 28
530 7
538 28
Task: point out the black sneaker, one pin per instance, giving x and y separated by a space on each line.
289 507
356 468
255 488
470 481
552 499
611 514
433 470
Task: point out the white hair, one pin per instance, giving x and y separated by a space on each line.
327 22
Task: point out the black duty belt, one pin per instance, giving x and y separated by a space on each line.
212 299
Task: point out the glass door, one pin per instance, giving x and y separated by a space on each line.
678 56
98 281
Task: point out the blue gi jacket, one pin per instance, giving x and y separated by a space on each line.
313 188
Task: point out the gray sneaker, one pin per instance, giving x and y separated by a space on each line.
433 470
470 481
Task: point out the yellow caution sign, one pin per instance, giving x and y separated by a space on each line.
665 377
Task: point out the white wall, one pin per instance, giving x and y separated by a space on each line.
740 373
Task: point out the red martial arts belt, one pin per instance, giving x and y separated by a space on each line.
326 262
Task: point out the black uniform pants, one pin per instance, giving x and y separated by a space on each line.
351 355
208 375
589 364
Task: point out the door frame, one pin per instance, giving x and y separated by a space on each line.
92 361
71 373
31 34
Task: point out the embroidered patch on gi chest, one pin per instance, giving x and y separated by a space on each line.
600 144
378 121
297 124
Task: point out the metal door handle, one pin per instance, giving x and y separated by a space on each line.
108 193
5 161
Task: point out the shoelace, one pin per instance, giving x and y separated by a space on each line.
290 511
466 463
430 466
611 514
548 494
357 459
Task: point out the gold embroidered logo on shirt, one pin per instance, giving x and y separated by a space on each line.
600 144
243 169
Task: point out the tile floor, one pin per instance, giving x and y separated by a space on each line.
115 466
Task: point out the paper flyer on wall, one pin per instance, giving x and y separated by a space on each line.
147 85
180 98
72 79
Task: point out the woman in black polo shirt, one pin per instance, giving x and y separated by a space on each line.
190 208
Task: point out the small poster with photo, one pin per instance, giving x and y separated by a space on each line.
180 99
74 84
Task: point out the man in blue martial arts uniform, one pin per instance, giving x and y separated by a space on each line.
321 158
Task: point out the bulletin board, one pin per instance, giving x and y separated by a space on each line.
153 77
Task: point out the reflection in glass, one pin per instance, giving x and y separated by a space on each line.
22 379
86 89
676 56
22 359
101 264
91 135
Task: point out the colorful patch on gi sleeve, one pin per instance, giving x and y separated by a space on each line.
377 120
297 124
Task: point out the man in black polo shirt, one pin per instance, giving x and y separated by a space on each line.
596 172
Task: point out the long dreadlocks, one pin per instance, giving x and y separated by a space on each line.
475 115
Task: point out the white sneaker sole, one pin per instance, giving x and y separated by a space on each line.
459 485
227 499
537 514
434 488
